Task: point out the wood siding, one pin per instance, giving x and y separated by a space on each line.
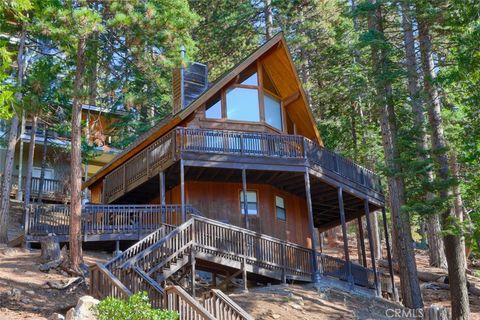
221 201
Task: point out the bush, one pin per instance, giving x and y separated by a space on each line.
137 307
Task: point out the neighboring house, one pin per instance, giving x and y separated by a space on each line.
56 186
237 183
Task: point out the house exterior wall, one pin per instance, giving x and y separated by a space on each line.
221 201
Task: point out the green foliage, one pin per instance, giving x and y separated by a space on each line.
137 307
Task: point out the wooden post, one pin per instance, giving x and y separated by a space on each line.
372 251
161 176
316 277
192 257
362 241
182 189
244 263
245 198
345 237
389 254
284 263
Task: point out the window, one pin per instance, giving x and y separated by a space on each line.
251 202
273 112
242 104
213 109
280 208
251 80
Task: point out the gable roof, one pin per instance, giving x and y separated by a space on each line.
280 64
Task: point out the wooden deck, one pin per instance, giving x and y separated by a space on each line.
200 147
103 222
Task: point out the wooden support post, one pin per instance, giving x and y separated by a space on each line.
372 251
244 262
389 254
192 257
117 248
214 280
284 263
182 189
161 176
245 198
362 241
345 238
316 277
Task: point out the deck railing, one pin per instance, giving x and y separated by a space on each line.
105 219
52 188
167 149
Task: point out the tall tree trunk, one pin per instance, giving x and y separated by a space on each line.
12 141
76 162
410 288
453 243
20 160
268 18
31 152
436 252
44 164
457 196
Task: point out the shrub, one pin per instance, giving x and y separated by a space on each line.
137 307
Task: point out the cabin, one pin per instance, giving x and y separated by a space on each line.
54 188
236 182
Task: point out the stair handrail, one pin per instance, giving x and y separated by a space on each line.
250 232
146 241
189 300
226 302
132 261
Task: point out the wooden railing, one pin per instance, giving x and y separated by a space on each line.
104 284
166 150
149 162
188 308
105 219
236 244
222 307
51 187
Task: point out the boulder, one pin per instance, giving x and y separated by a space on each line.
85 309
56 316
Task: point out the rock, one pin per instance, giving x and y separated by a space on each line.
275 316
26 300
30 292
85 309
15 294
56 316
295 306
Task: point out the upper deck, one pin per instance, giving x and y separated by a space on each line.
248 150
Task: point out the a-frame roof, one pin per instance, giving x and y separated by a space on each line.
278 63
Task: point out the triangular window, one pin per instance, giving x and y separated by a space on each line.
268 83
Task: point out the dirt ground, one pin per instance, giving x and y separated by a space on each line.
439 297
19 270
303 302
36 300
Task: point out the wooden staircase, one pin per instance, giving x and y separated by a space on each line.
160 262
153 264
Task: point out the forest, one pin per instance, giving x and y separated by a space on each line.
393 85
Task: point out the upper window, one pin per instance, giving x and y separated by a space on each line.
251 80
280 208
273 112
213 109
242 104
251 202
